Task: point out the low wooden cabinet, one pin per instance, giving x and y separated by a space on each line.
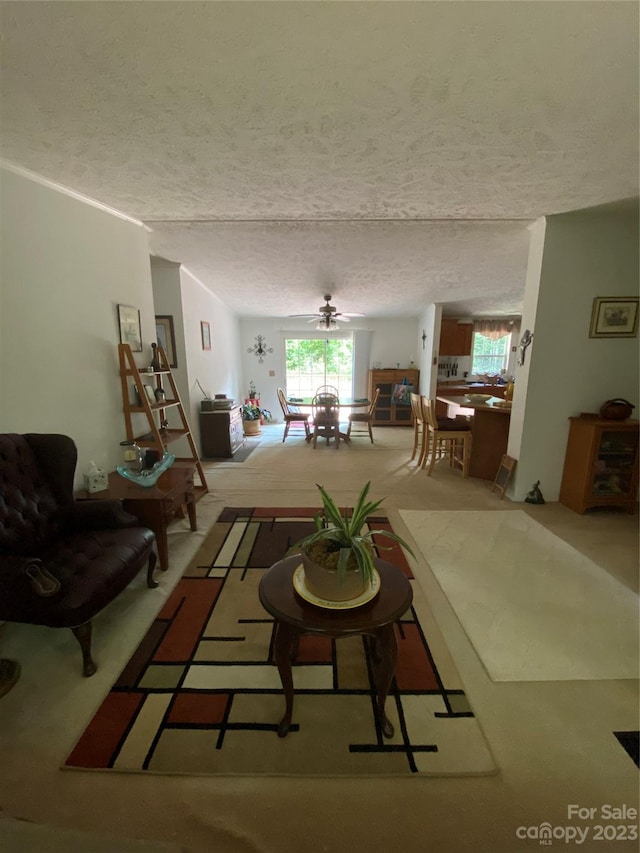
389 410
221 433
601 464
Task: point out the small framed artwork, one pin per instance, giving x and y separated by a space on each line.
614 317
205 330
130 331
166 338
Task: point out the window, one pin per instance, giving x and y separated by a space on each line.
490 356
311 362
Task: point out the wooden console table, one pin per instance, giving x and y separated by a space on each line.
155 506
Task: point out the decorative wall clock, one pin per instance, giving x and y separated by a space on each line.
260 348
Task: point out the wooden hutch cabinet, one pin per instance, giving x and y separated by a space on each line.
389 411
601 464
221 432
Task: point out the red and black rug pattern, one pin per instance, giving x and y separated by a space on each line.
201 694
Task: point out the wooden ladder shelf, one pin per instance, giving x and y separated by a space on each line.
159 437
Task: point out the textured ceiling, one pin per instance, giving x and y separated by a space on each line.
389 153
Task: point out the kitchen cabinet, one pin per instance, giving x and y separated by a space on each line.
601 464
455 338
221 432
389 411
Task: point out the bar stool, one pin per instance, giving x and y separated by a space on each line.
445 435
420 432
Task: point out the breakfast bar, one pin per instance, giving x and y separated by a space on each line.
490 422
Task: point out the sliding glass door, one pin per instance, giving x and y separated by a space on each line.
311 362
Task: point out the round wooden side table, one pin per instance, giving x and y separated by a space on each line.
294 616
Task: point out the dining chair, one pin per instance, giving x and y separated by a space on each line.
365 417
328 389
325 412
446 437
292 415
420 431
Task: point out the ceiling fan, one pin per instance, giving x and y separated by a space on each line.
327 315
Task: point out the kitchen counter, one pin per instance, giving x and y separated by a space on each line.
456 389
457 401
490 423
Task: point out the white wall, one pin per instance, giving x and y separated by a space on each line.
387 341
65 267
586 254
218 369
395 341
521 480
429 324
165 279
181 295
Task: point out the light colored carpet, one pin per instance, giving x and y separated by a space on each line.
21 836
534 608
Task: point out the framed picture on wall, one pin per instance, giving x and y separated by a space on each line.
166 338
614 317
130 331
205 330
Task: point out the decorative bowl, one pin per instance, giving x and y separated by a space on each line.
616 410
478 398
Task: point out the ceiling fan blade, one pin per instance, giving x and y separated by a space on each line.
343 318
305 315
351 314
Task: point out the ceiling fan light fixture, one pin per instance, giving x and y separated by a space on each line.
326 324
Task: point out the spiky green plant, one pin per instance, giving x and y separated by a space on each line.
342 533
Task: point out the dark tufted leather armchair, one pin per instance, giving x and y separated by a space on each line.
93 548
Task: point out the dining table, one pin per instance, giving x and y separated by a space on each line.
343 403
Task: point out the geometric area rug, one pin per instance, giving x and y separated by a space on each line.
201 694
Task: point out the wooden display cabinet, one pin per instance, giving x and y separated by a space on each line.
455 338
601 464
221 432
388 412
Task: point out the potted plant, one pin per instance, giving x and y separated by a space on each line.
251 419
338 557
253 416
